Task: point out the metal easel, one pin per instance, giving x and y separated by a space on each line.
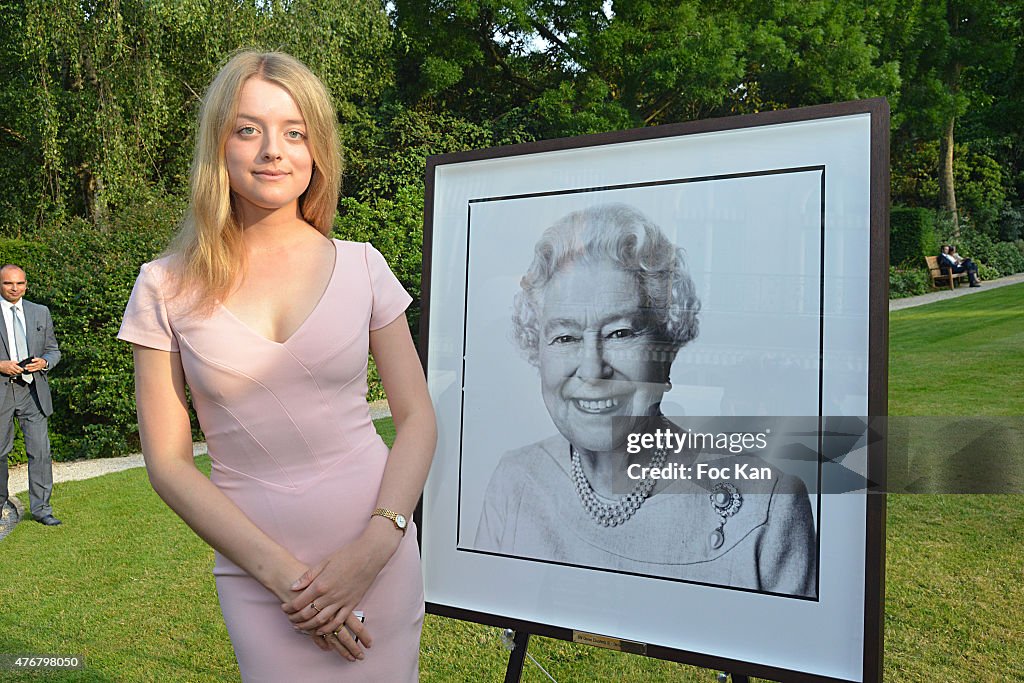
517 642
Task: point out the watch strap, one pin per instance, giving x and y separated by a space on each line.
389 514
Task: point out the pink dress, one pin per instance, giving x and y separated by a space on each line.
292 444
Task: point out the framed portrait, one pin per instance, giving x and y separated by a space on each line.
652 355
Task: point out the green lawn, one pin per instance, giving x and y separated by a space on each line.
977 340
128 586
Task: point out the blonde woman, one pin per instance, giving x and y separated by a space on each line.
267 321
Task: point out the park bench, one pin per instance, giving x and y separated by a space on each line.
942 274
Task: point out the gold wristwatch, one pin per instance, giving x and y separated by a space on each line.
399 521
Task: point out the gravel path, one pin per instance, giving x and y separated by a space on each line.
961 290
86 469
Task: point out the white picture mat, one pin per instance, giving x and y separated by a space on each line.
823 637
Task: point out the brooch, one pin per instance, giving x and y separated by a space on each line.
726 502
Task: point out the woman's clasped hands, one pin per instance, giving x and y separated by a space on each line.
327 594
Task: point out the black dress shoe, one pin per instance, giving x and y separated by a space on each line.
48 520
976 284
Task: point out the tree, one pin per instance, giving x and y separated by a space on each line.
578 66
955 45
799 53
100 99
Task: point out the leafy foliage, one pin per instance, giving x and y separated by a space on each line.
85 277
22 253
982 186
578 66
1001 258
1011 222
908 282
101 98
385 206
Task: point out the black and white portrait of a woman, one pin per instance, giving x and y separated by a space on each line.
601 314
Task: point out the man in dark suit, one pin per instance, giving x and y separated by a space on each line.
948 262
29 350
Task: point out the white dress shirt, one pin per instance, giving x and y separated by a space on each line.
9 325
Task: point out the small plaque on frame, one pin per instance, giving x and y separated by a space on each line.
617 644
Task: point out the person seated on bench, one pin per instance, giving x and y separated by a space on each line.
949 262
960 259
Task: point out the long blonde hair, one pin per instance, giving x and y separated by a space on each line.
208 249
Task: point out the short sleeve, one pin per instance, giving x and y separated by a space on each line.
145 318
389 297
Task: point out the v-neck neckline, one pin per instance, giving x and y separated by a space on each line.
302 325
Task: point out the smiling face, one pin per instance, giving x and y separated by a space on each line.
597 355
13 284
267 154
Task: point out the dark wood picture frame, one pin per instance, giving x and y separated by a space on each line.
877 368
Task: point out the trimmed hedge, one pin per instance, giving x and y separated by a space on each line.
911 235
21 253
85 277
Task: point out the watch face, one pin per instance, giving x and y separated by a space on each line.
400 521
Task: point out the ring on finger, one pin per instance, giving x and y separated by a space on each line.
313 605
337 635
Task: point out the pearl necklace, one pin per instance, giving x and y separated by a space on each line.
613 514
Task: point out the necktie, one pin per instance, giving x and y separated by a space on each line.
20 342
